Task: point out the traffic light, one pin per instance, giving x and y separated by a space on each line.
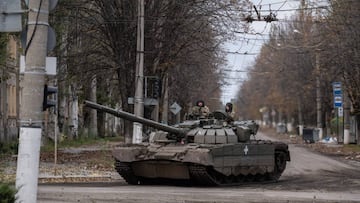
49 102
157 88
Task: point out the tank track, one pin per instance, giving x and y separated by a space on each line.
207 176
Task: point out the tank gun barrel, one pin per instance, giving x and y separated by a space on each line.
133 118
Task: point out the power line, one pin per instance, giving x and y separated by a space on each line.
250 33
244 53
231 70
247 71
239 79
291 9
274 3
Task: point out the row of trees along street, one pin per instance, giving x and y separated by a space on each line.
96 49
96 52
313 44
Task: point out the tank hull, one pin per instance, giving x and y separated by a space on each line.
204 164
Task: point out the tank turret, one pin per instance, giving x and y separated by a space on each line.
210 130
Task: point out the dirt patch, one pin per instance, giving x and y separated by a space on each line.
82 166
77 166
101 159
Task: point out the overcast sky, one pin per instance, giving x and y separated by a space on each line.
251 44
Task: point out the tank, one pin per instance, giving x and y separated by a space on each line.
203 151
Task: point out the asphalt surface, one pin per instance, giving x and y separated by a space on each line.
309 177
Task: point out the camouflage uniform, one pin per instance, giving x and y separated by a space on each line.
229 112
200 109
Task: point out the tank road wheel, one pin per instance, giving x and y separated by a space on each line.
280 161
125 171
200 176
219 179
260 178
240 178
280 165
249 178
207 176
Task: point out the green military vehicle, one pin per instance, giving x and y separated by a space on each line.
206 151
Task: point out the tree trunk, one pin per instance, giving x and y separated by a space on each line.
357 123
63 112
101 124
93 112
118 127
74 116
165 100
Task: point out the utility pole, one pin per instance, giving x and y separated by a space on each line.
139 78
300 117
346 118
31 111
318 96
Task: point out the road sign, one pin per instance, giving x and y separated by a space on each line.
175 108
340 112
10 16
50 65
51 40
337 91
337 88
337 101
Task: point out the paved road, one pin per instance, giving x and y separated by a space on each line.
160 194
309 177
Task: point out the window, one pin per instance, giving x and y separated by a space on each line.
12 100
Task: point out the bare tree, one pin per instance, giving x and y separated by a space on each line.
182 40
284 72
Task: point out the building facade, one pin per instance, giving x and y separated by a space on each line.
9 92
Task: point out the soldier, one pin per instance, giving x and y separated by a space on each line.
229 112
200 109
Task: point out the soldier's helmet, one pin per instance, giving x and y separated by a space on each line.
228 107
200 103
